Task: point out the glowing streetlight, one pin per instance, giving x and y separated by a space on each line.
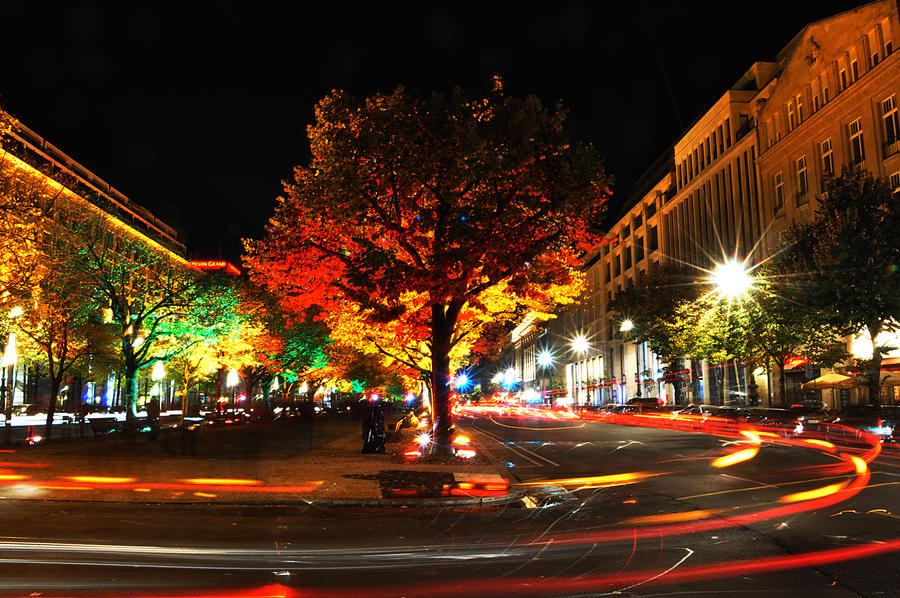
580 344
15 312
545 359
626 326
159 372
231 381
461 381
732 280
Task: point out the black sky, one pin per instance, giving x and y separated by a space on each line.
198 111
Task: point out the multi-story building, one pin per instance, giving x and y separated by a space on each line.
79 200
742 172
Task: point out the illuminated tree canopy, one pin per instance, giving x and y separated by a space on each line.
413 211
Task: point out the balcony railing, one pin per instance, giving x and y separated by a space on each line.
890 148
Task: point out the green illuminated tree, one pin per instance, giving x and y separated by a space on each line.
159 307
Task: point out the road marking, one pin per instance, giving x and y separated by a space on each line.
734 477
553 463
520 448
509 448
537 429
761 487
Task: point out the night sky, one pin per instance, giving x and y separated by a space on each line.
199 111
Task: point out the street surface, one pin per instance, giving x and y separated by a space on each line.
607 509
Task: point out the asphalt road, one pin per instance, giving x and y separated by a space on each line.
609 509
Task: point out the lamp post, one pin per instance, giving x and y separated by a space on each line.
580 346
231 382
10 357
545 361
732 282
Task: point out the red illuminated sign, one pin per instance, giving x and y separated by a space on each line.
215 265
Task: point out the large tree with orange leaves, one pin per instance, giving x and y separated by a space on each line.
413 210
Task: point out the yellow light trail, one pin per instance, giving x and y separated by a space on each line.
618 479
672 517
811 494
100 479
222 482
736 457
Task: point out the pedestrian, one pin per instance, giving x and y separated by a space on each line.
153 417
373 427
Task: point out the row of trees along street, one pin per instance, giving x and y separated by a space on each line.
832 277
93 298
423 225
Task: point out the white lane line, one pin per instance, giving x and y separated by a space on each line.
522 448
509 448
554 463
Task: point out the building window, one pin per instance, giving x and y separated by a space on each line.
653 239
715 146
826 92
650 209
637 221
792 118
638 249
608 271
895 182
827 158
843 79
626 257
854 70
802 183
800 115
891 122
779 191
626 232
857 147
721 140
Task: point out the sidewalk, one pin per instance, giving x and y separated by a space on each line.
295 462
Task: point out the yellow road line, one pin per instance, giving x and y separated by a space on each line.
529 428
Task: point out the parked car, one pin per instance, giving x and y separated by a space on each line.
879 420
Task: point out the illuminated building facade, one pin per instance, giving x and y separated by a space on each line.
80 200
745 170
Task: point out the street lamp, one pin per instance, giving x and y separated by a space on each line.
158 373
580 344
626 326
231 381
545 359
10 357
732 280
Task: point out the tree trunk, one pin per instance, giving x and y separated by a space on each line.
131 391
55 382
875 368
782 383
441 330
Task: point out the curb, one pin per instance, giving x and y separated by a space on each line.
495 462
475 501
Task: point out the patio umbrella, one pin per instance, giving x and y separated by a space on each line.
831 380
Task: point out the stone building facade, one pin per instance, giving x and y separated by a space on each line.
745 170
